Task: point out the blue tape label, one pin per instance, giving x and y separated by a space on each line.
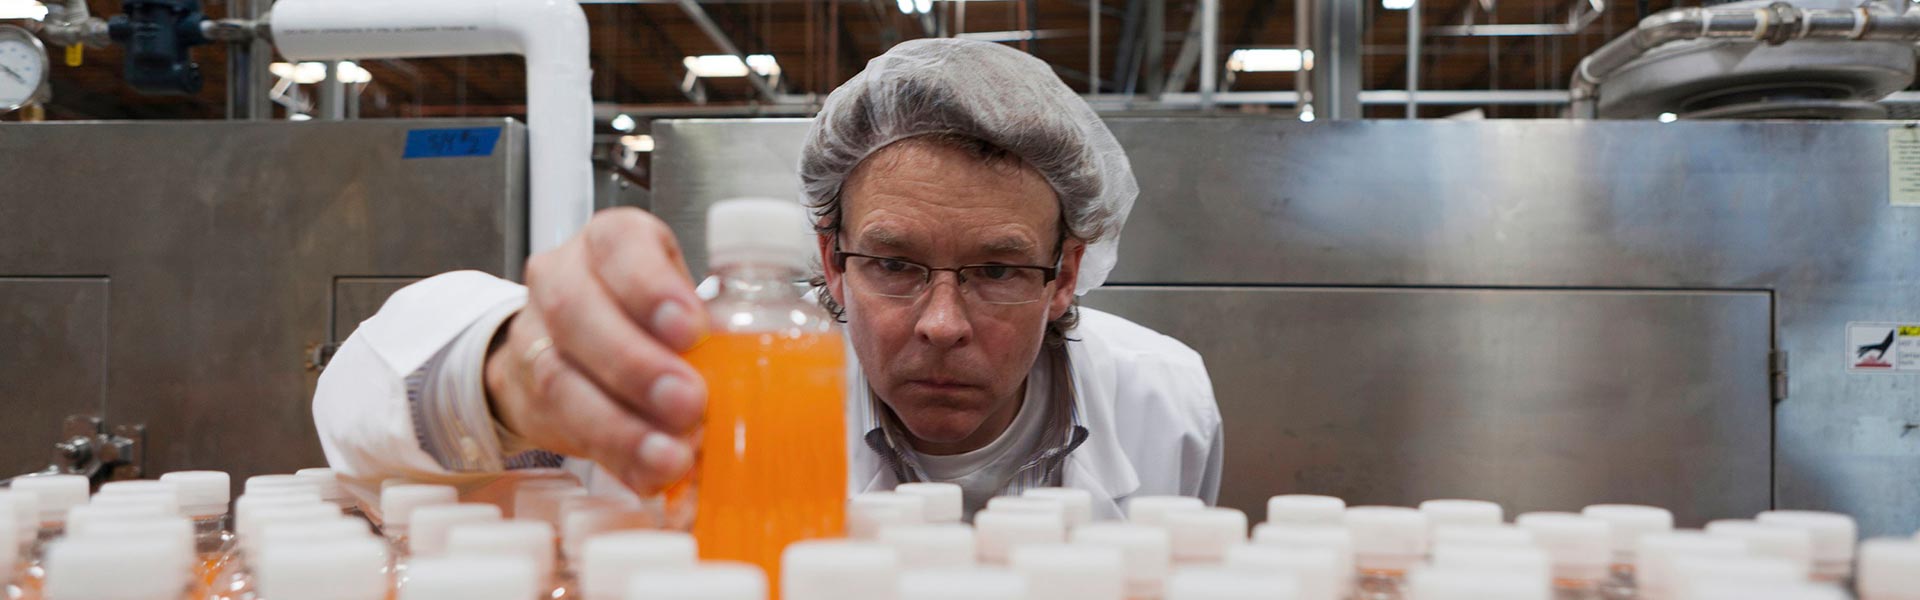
444 143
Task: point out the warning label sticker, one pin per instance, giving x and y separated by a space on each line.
1903 166
1883 347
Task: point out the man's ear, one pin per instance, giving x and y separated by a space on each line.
1067 279
828 269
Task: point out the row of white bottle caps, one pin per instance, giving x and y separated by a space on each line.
910 545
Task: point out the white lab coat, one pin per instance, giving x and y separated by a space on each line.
1145 399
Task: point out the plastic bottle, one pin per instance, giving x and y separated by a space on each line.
1202 536
868 513
1443 513
52 496
1333 539
773 461
1451 583
931 546
1152 510
838 570
1654 558
1145 549
1221 583
1078 502
397 504
997 533
532 540
712 580
607 561
204 496
431 526
1078 571
1387 541
351 568
944 501
1787 543
327 484
121 567
1580 548
1306 509
1321 572
1889 570
1834 537
470 578
962 584
1630 523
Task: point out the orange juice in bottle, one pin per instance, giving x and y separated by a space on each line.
772 459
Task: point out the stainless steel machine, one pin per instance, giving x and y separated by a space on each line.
1542 313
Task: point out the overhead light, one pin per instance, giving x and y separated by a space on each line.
23 9
1263 60
923 6
1668 117
906 6
637 143
623 123
315 72
1397 4
1306 113
299 117
728 65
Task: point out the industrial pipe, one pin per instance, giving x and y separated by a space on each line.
1774 24
551 34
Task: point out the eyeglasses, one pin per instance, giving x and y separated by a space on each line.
990 283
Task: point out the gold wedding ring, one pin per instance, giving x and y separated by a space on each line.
539 346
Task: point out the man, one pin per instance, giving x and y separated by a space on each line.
944 159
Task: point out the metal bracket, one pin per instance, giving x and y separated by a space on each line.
88 447
1582 14
1777 374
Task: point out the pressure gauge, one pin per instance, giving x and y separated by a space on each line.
23 68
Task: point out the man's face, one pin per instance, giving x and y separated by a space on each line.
950 365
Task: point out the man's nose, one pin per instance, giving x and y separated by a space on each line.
943 314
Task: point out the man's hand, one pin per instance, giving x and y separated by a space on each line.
618 307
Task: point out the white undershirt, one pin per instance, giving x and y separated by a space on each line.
982 474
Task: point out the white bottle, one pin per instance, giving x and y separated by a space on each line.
350 568
1630 523
327 484
1079 503
836 570
1449 583
1654 558
1889 569
532 540
95 567
53 495
469 578
1769 540
607 561
997 533
1333 539
944 501
1306 509
962 584
1387 542
1443 513
430 526
1145 549
1526 562
1692 575
1043 505
1202 536
1497 535
1078 571
204 496
868 513
397 504
931 546
1152 510
1221 583
1834 536
714 580
1321 572
1580 548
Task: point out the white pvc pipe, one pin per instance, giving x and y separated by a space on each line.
551 34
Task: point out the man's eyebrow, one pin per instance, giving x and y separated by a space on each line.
884 238
1007 245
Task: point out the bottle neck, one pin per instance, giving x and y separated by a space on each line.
758 280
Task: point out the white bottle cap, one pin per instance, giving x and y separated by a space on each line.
931 546
1220 583
1692 571
1039 505
1630 523
175 530
117 567
759 230
1304 509
1331 538
532 540
281 481
1204 535
333 569
1462 512
1387 538
251 526
22 508
398 502
539 500
319 530
54 494
837 570
997 533
1530 562
1755 590
1834 535
1581 547
325 482
138 486
202 493
1078 571
1321 572
712 580
962 584
868 512
944 501
1442 583
1079 503
1767 539
1889 570
1654 558
260 500
470 578
608 560
430 525
583 518
1152 510
1146 549
1497 535
97 517
164 501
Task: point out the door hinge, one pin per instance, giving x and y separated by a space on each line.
1777 371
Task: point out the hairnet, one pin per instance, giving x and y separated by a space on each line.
994 93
